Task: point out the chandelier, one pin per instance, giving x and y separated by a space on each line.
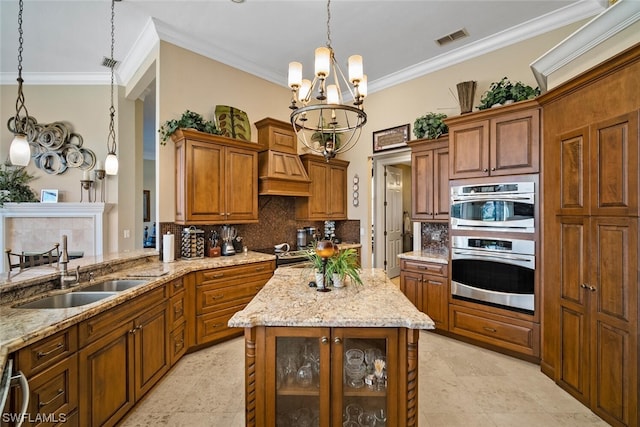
20 150
111 162
320 117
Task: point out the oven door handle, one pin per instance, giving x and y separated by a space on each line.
492 197
501 257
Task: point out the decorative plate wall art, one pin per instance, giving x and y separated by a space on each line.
233 123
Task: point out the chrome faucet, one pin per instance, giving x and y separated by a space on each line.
67 279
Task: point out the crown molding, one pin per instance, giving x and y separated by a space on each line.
146 43
205 48
535 27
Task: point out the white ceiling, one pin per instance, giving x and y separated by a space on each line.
65 41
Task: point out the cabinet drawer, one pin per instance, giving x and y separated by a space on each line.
210 298
178 343
54 392
513 334
175 286
177 310
424 267
221 276
103 323
47 351
213 326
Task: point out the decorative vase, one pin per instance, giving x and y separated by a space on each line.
338 281
466 94
319 280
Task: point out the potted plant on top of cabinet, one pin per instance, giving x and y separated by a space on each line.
505 92
188 120
430 126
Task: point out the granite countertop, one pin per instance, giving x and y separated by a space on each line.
287 300
437 256
22 327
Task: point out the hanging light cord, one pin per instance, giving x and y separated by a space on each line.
329 24
111 138
20 125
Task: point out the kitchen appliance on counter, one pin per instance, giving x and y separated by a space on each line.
306 237
228 234
504 207
297 258
494 270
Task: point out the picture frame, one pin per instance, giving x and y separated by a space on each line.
388 139
48 196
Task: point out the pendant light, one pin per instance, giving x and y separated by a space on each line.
20 150
111 162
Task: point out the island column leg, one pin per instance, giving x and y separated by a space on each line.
412 377
250 376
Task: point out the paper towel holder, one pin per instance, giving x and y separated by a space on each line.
168 250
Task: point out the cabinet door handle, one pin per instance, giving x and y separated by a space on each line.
493 169
217 325
60 393
218 296
592 288
337 340
324 340
260 268
584 286
485 170
41 354
433 282
488 329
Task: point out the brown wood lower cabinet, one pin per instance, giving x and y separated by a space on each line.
221 292
427 286
308 374
121 365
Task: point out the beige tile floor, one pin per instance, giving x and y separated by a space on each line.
459 385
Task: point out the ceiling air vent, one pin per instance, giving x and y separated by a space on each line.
452 37
109 62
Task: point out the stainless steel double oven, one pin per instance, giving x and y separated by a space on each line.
493 248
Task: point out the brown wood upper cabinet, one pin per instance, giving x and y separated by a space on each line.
498 141
430 179
216 179
328 200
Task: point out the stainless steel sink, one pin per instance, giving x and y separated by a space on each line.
68 300
116 285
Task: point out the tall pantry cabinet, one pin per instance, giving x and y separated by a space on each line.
590 256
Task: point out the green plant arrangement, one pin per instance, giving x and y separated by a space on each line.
14 185
430 126
504 90
344 264
188 120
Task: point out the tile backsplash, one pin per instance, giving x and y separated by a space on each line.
435 236
277 224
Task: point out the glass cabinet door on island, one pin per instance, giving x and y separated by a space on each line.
331 376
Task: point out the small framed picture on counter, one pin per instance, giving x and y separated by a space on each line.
48 196
387 139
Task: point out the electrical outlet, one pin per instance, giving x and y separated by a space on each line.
127 234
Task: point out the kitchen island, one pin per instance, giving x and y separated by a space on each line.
331 357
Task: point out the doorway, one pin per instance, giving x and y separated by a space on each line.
391 199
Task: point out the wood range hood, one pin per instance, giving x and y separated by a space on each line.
280 171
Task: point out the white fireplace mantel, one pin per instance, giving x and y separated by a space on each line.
93 211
